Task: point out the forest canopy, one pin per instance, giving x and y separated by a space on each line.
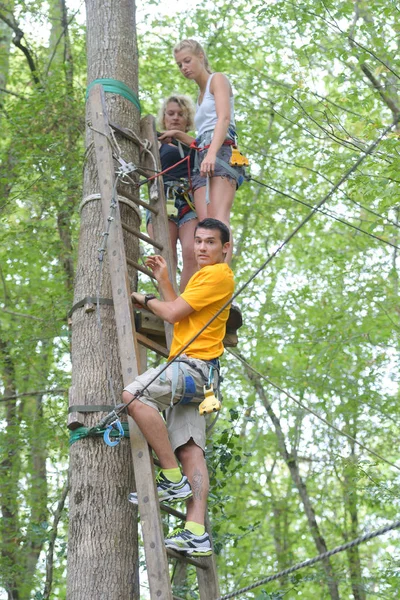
315 84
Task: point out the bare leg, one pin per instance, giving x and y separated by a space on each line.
222 194
200 203
186 237
154 430
194 467
173 234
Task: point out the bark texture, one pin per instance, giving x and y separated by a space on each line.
102 551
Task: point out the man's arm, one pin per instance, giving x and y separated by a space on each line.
159 267
173 308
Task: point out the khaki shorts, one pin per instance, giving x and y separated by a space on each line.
183 420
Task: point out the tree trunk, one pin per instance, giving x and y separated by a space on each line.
102 550
5 44
291 461
10 534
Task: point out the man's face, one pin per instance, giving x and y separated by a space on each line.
208 248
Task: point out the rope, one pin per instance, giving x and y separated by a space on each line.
160 173
367 152
323 212
312 561
82 432
114 86
101 254
121 200
310 410
345 194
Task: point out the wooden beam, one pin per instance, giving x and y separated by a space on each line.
157 199
152 345
199 563
149 508
141 236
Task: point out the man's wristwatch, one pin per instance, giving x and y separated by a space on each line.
148 297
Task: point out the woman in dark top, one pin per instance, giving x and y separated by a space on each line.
177 112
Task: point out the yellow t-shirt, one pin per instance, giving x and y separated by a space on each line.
206 292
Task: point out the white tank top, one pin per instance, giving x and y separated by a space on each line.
206 114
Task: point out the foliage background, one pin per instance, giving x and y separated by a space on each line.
315 83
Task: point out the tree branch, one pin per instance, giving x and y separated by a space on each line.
16 314
52 540
19 34
12 93
36 393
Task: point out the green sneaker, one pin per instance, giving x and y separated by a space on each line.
183 540
168 491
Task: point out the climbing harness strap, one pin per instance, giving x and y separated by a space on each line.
237 159
179 188
189 393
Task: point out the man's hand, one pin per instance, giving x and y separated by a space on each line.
159 267
137 298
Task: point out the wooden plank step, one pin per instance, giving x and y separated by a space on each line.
138 267
152 345
172 511
141 236
199 563
133 198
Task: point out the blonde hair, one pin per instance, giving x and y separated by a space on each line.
195 48
186 106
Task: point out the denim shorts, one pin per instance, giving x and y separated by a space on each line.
224 153
182 217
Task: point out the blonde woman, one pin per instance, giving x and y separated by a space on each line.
176 113
214 180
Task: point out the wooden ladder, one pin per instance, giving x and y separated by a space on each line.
129 339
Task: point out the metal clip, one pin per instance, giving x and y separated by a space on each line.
116 426
125 167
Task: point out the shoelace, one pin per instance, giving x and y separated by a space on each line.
175 532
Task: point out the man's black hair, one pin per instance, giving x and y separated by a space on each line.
215 224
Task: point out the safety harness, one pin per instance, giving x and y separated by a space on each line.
189 384
237 159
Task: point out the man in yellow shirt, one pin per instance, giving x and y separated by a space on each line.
180 387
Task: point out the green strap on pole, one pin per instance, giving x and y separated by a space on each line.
82 432
116 87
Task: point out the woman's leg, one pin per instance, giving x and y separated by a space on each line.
222 194
173 234
199 196
186 237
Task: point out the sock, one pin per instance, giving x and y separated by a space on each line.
195 528
173 475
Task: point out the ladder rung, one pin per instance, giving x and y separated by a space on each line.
127 134
152 345
142 236
139 202
197 562
173 512
147 272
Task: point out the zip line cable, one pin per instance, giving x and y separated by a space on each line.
315 209
323 212
312 561
310 410
304 167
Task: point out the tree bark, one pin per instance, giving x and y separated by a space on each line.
9 523
102 547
